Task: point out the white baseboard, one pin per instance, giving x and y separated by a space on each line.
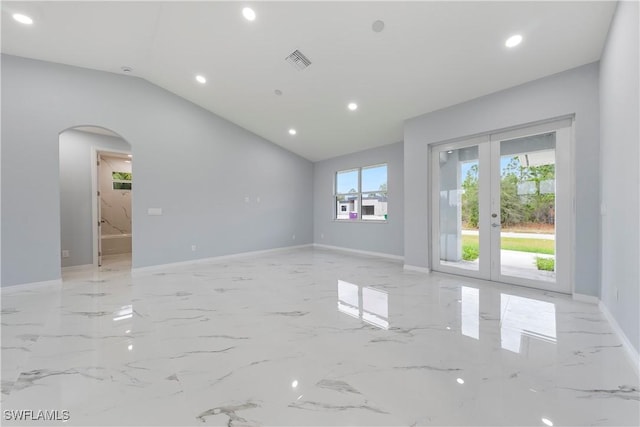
416 268
631 351
359 252
30 286
78 267
160 267
589 299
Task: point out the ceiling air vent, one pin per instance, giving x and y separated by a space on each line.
298 60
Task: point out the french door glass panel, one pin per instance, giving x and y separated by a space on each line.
527 207
460 206
458 193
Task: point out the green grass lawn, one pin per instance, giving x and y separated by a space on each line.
548 264
537 246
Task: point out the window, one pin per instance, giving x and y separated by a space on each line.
121 180
361 190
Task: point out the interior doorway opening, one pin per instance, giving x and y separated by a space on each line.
114 184
95 199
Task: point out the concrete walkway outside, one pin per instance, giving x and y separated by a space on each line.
523 264
519 235
513 263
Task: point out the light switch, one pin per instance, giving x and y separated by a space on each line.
154 211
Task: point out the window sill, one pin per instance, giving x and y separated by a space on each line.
362 221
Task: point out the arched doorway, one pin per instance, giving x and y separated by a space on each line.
95 199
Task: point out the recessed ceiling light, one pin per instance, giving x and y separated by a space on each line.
460 381
248 14
201 79
352 106
547 422
377 26
513 41
292 132
294 384
129 155
277 92
23 19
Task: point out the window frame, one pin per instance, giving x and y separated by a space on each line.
121 181
359 195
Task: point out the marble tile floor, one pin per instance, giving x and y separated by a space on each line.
116 262
112 266
308 337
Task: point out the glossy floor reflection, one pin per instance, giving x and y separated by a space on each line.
309 337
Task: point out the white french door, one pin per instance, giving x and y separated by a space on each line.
502 207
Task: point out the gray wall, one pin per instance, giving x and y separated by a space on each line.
570 92
76 224
620 138
366 236
191 163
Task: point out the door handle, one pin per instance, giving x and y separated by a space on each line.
495 225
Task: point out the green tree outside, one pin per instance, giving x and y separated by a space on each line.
536 207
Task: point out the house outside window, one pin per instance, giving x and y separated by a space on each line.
361 194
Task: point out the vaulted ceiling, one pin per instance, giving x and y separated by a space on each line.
429 55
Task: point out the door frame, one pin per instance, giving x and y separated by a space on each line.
566 156
95 185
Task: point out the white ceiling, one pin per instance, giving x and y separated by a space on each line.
430 55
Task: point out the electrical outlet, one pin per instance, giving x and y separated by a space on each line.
258 199
193 248
322 235
65 254
293 237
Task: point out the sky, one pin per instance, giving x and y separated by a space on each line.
372 179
